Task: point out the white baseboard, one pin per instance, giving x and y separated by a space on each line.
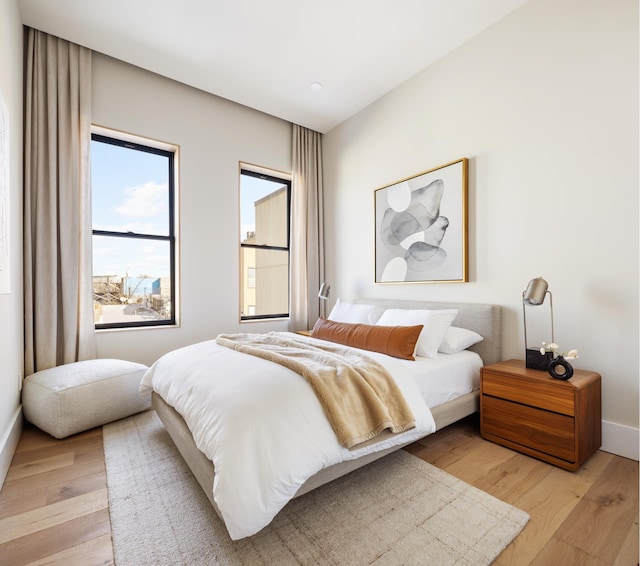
9 443
621 440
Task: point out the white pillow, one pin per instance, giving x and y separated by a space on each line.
436 323
458 339
355 313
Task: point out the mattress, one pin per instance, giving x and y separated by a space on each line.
446 377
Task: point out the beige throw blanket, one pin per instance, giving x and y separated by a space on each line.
359 397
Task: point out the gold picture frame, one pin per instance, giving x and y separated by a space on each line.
421 227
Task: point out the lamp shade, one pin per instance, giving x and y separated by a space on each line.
325 289
535 292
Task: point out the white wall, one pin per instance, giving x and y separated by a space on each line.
11 329
545 106
214 135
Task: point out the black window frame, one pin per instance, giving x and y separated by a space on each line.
171 155
287 182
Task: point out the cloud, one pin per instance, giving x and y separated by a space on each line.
138 227
123 256
149 199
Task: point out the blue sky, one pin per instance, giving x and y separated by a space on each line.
129 193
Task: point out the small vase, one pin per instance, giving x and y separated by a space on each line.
560 368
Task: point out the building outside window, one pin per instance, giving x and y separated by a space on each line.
265 199
133 202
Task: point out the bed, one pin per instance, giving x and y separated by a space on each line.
481 318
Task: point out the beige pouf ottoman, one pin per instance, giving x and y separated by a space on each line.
74 397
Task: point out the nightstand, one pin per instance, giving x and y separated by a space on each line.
550 419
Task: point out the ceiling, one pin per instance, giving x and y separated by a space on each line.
265 54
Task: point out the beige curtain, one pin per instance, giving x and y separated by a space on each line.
307 236
57 209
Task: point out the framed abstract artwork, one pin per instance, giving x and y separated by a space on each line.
421 227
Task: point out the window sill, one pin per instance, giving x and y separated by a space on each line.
129 328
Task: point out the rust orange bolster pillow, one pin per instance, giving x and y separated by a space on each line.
396 341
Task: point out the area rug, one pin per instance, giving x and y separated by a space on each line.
398 510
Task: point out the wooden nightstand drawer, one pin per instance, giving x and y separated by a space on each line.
529 411
549 433
544 394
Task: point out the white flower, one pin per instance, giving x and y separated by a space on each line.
571 355
553 347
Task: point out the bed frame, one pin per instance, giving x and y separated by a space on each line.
482 318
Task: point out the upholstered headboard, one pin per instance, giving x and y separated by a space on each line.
482 318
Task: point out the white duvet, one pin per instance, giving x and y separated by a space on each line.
262 426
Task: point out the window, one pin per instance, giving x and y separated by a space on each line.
133 232
264 245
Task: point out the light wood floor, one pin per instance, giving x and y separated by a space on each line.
54 508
